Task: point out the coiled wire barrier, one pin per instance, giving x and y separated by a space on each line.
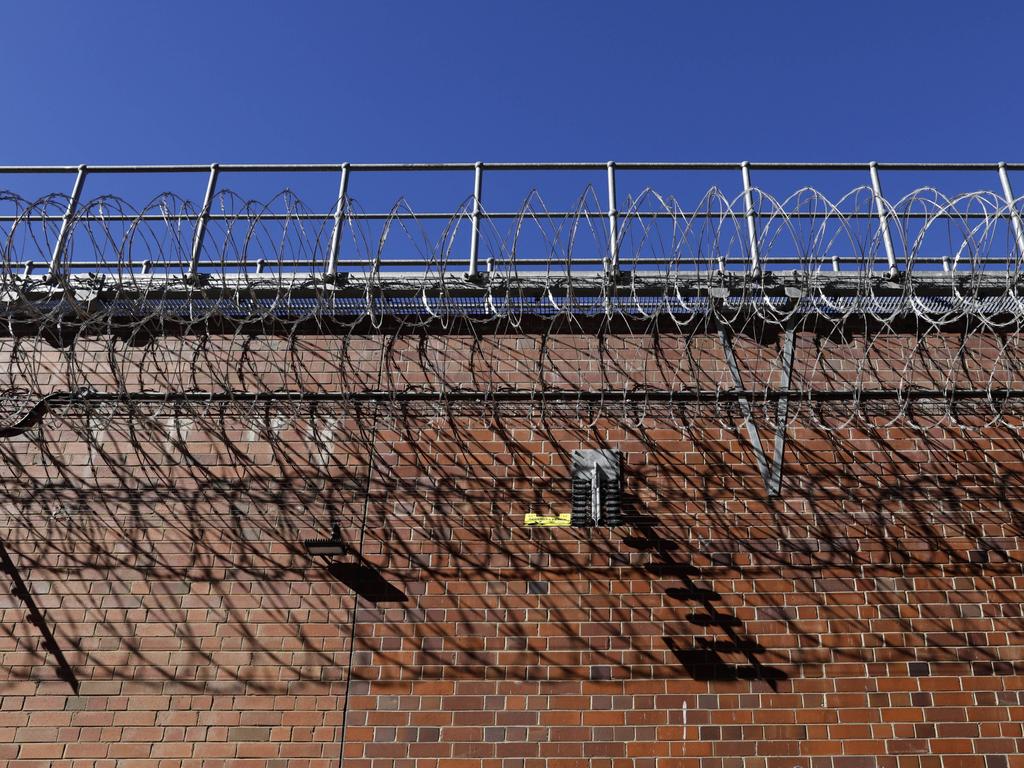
833 309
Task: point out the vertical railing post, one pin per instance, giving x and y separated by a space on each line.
611 266
751 216
1018 227
474 241
65 224
204 217
339 221
883 219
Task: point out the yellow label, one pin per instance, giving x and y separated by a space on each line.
563 520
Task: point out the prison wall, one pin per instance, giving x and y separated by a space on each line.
160 610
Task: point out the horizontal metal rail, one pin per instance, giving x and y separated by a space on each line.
519 261
752 212
535 285
625 215
584 166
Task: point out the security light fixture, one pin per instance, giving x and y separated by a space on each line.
328 548
596 488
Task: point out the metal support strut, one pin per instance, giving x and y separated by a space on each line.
751 215
65 224
883 220
1018 227
774 481
734 369
204 217
474 242
770 473
611 267
339 219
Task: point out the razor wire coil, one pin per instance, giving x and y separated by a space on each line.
90 299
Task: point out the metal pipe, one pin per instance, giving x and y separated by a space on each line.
474 243
883 220
748 200
1018 227
339 220
584 166
603 396
528 261
447 215
65 224
20 169
204 216
612 267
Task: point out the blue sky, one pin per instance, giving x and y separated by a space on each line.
306 81
302 81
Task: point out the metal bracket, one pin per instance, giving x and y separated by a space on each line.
771 474
755 437
774 482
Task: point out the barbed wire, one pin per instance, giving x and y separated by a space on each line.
117 304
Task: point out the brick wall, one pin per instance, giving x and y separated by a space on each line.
164 612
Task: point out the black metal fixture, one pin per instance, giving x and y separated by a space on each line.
596 488
328 548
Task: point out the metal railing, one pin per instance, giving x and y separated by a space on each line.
750 211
